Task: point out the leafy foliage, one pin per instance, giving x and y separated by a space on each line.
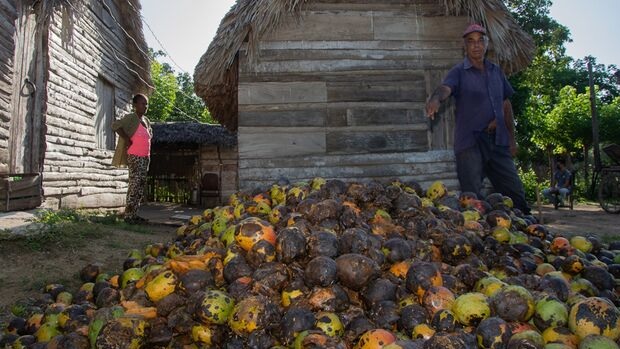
552 101
174 98
162 101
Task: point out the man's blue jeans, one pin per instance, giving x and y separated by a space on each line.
495 162
548 193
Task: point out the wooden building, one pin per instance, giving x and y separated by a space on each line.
336 88
192 163
67 69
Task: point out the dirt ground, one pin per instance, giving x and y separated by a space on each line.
583 219
26 271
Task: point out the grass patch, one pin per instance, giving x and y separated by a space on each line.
68 228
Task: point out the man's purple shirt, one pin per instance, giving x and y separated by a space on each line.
479 99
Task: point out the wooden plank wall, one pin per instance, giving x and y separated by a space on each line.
8 15
76 173
341 94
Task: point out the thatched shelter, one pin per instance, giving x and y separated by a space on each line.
336 88
197 133
192 158
67 69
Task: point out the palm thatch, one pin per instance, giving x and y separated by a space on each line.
192 133
137 48
215 78
130 22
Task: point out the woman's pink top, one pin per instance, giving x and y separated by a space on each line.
140 142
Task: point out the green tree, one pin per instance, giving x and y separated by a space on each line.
567 127
603 77
610 121
536 87
174 98
188 106
163 98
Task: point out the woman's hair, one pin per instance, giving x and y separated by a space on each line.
137 96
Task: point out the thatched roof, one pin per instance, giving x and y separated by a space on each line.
215 78
137 48
130 21
192 133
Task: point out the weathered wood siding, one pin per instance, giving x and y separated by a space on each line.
77 173
8 15
341 94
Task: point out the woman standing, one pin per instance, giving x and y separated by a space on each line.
134 151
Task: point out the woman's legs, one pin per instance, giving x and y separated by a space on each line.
138 168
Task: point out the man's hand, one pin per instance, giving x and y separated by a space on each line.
432 107
513 149
492 126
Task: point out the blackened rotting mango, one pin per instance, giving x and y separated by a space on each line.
396 250
294 321
451 340
236 268
272 275
320 271
384 314
555 285
107 297
334 188
322 243
355 240
332 298
169 303
421 276
195 280
411 316
356 327
599 277
355 270
326 209
262 252
444 321
455 248
493 332
159 334
379 290
290 245
406 200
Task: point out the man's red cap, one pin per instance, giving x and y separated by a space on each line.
474 28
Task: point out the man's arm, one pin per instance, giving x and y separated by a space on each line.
441 94
510 125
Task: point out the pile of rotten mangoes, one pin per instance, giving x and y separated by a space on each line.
329 264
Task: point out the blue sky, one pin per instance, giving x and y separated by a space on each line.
186 28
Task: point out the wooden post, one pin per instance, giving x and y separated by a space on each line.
541 219
597 152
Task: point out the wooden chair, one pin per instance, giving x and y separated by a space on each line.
210 190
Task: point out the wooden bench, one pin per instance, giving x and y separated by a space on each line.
20 192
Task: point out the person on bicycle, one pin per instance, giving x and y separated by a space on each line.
561 185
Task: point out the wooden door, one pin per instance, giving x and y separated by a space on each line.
25 141
21 188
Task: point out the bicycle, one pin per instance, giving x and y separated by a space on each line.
609 186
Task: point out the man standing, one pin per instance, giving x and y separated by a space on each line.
134 151
484 141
